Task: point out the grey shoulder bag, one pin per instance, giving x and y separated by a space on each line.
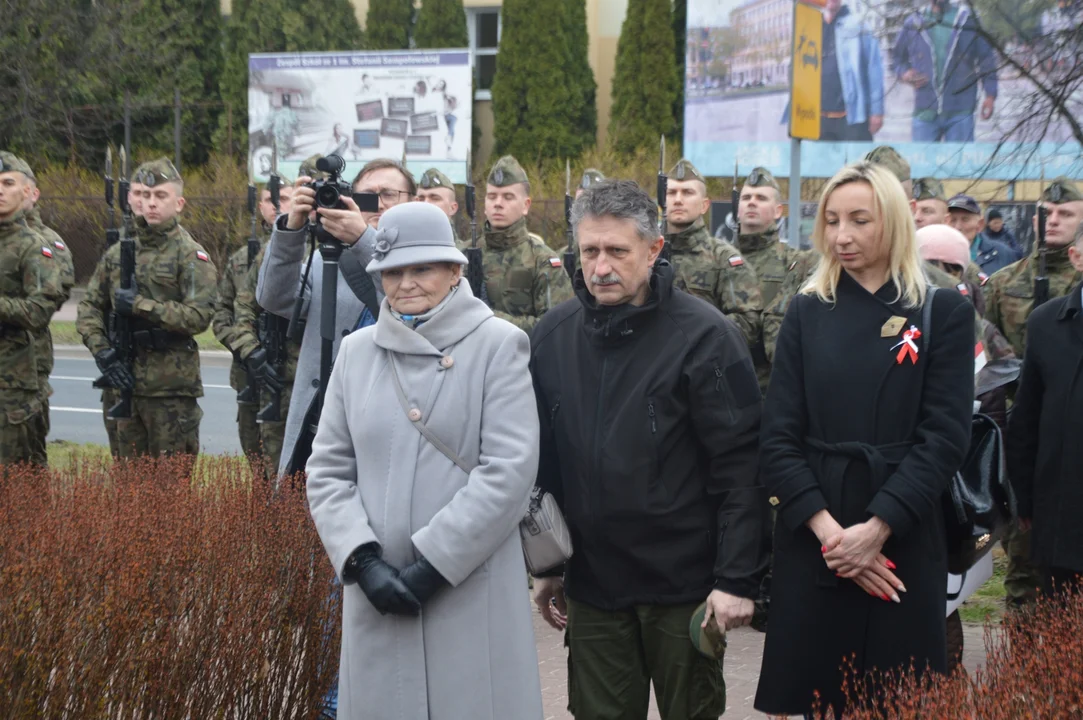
546 540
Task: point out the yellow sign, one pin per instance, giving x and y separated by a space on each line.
805 74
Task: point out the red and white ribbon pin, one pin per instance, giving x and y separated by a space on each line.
908 348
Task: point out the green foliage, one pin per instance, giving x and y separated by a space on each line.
441 24
645 85
261 26
680 34
387 25
535 107
579 74
1008 19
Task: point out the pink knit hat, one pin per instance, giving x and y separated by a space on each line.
944 243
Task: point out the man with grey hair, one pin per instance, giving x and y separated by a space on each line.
650 411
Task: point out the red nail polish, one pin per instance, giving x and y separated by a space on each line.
823 549
890 565
884 598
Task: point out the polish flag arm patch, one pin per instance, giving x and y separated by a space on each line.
555 262
203 256
983 278
46 252
962 288
979 358
736 260
59 245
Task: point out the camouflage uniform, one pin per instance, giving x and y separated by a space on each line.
1009 299
773 261
433 178
175 301
247 318
43 341
31 289
524 278
226 329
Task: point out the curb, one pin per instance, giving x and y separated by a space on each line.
202 353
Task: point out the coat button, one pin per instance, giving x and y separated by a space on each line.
446 362
414 414
316 383
345 333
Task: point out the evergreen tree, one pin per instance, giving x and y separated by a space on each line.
645 83
387 25
579 74
535 108
441 24
680 34
259 26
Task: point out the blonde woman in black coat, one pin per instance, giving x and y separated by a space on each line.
864 425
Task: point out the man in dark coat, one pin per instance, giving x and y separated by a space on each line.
650 413
1044 454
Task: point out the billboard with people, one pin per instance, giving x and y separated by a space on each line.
960 88
360 105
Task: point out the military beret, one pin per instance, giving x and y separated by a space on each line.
1061 190
710 641
507 171
889 158
928 188
9 162
591 177
156 172
762 177
433 178
308 168
964 202
685 170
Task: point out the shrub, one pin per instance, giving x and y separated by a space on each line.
441 24
134 591
1033 669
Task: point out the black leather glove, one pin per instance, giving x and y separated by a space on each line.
124 300
423 579
380 582
113 370
263 371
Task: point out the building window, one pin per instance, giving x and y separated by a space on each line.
484 29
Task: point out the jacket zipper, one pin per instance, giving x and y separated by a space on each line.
598 430
650 414
938 81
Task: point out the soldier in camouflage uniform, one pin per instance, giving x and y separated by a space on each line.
436 188
524 278
760 208
930 203
233 335
248 343
43 340
171 301
1009 300
32 287
704 266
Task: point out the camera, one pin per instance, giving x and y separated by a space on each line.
329 192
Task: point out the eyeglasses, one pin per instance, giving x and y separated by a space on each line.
390 196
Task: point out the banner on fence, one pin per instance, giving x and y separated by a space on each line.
360 105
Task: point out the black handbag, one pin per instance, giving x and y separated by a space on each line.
978 504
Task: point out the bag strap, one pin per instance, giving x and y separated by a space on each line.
360 282
421 426
927 317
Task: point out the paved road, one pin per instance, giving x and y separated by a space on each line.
75 408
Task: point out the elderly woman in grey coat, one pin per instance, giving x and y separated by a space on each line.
436 615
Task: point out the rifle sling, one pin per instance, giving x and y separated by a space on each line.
360 282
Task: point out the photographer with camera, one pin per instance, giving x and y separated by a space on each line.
321 197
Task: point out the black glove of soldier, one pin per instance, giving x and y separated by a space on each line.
380 582
423 579
115 372
263 371
124 300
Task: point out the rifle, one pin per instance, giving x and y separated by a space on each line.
1041 282
122 331
569 254
272 328
475 271
112 233
250 394
735 204
663 184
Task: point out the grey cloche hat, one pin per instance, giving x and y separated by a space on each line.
411 234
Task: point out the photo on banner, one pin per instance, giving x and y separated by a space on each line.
361 106
958 87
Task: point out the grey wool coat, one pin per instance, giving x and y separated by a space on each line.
372 477
279 277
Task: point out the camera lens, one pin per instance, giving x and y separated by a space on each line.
327 196
333 164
